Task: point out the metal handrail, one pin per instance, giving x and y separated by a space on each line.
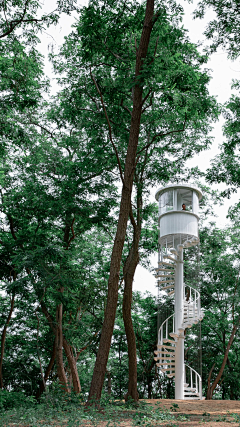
160 331
196 301
197 382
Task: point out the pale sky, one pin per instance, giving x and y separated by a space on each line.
223 71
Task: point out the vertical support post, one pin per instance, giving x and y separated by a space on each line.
200 388
179 353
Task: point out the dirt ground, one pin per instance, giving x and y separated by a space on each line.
198 407
205 413
202 412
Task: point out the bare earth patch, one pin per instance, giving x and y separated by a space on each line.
201 412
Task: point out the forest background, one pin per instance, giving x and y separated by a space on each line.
78 164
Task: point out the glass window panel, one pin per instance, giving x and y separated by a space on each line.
166 202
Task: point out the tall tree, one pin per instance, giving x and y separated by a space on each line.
122 79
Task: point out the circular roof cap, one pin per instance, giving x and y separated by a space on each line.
176 187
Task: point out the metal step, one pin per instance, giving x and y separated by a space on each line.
169 257
167 263
192 398
174 335
166 346
165 358
165 281
189 389
187 325
166 352
166 340
164 269
166 275
164 364
165 370
167 287
173 251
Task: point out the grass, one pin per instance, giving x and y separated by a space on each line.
58 410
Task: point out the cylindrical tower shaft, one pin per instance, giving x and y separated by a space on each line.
179 355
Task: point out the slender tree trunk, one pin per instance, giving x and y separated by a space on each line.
73 366
212 387
109 382
71 360
59 353
130 164
48 370
128 272
3 339
149 388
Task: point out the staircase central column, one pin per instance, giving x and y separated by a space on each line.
179 354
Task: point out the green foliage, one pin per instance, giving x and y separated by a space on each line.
70 410
219 287
10 400
223 30
24 17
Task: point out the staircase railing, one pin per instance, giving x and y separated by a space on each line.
195 380
168 326
192 296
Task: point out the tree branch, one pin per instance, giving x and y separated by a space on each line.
164 134
114 54
11 227
132 218
146 97
11 25
109 125
73 234
125 108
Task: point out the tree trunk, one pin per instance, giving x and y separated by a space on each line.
71 360
128 273
212 387
48 370
149 388
109 383
73 366
3 339
131 340
130 164
59 346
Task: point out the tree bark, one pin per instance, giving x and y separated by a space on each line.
59 354
128 274
130 164
3 339
71 360
212 387
73 366
48 370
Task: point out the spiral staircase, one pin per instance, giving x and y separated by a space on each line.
167 334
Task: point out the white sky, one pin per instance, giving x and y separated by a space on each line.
223 71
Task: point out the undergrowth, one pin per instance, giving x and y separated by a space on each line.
58 409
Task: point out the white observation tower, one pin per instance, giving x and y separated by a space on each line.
178 223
